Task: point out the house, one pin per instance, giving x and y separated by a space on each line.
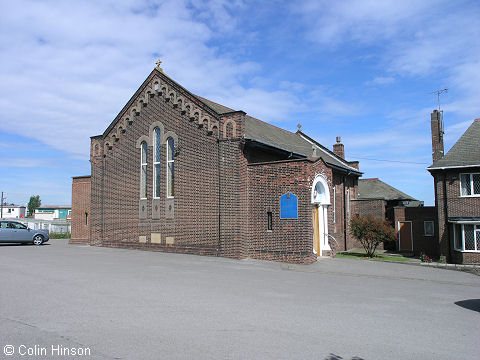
176 172
12 211
413 221
53 212
456 177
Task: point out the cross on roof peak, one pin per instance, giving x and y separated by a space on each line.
158 63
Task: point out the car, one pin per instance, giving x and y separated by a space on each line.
16 232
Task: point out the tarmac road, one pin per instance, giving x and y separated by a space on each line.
124 304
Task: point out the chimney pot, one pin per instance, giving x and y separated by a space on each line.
338 148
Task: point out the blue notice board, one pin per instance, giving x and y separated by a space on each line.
288 206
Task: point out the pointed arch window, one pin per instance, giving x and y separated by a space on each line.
156 162
170 167
143 171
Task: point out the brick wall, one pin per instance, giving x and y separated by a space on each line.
418 215
457 207
218 207
81 215
371 207
291 240
189 223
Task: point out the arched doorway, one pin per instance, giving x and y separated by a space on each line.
320 203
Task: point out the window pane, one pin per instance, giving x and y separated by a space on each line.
157 145
156 170
428 227
171 149
143 182
465 184
469 237
476 183
478 238
171 179
144 153
458 236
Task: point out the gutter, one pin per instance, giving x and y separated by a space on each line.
348 172
452 167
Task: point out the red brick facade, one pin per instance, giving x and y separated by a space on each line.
81 215
451 205
455 210
222 194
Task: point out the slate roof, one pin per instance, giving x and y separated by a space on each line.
219 109
377 189
465 152
265 133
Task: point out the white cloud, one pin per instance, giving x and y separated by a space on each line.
69 67
381 80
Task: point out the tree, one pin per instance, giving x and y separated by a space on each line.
34 203
371 232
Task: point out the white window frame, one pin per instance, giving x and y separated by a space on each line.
476 234
425 228
156 164
168 163
143 182
472 188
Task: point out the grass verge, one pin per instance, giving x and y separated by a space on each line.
376 257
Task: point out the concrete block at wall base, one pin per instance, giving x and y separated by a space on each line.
156 238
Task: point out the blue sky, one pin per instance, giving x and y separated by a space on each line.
362 70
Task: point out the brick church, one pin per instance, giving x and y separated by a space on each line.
175 172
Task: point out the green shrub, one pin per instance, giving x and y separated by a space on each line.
60 235
371 232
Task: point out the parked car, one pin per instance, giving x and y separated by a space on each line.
16 232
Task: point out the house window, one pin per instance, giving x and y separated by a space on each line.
170 167
156 162
467 237
86 219
269 221
334 212
143 171
470 184
428 228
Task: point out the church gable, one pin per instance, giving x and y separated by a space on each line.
188 105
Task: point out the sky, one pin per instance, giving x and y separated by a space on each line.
363 70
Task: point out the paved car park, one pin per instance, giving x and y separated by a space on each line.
124 304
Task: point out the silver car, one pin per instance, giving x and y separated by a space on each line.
16 232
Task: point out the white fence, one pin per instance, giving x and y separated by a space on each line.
53 226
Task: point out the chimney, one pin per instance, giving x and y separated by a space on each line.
437 135
338 148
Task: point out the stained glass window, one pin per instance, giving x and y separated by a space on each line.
156 162
143 171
